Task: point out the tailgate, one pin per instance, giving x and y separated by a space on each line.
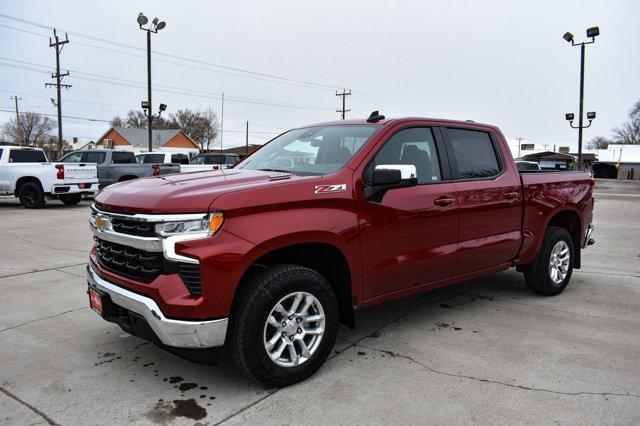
82 172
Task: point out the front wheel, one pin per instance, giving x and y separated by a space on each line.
71 199
284 325
551 271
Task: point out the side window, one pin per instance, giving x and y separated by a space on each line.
123 158
410 146
75 157
26 156
179 159
474 154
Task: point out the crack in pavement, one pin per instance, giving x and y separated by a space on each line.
41 319
26 240
13 396
34 271
615 274
435 294
497 382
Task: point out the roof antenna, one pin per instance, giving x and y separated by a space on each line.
375 117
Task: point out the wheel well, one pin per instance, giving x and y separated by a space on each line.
127 177
570 221
24 180
325 259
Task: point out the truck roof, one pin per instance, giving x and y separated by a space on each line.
388 121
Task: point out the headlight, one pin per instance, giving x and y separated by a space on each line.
205 227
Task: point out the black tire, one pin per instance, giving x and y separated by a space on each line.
539 278
71 199
31 195
254 303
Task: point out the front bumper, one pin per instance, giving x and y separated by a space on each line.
170 332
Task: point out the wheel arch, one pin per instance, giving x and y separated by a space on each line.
323 257
24 179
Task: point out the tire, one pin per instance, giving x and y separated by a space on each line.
250 331
31 195
71 199
541 278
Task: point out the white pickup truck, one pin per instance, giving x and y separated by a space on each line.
26 174
199 163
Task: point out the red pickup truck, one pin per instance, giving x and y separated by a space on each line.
270 256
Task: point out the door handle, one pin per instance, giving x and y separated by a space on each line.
444 201
510 195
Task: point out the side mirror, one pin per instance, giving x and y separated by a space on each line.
390 176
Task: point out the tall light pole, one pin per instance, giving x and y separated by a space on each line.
592 33
156 25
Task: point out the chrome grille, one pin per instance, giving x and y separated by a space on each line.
133 227
128 261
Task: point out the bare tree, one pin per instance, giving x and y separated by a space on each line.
34 129
628 132
137 120
201 126
599 142
635 111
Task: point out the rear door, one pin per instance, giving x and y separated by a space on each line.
408 238
488 198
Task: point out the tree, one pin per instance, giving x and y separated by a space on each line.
34 129
201 126
599 142
137 120
629 131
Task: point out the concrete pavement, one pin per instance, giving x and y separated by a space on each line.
482 351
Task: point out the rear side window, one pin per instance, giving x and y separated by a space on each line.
123 158
26 156
473 153
93 157
179 159
152 158
410 146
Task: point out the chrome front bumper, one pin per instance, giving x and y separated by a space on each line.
176 333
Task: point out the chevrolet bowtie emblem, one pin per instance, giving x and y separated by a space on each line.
102 222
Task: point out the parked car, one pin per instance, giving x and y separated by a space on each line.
118 166
162 157
527 166
269 260
210 161
26 174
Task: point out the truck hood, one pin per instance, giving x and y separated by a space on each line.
185 192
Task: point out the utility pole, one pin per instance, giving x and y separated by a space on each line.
18 128
58 44
343 95
519 145
222 124
246 141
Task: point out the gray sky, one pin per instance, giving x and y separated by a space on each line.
499 62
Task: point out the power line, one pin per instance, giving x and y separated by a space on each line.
64 116
183 58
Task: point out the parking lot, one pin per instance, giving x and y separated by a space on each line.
484 351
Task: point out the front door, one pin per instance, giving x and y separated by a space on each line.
409 238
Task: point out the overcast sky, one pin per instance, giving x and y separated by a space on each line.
499 62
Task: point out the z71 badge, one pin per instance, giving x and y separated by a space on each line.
327 189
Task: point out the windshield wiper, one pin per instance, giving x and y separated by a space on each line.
276 170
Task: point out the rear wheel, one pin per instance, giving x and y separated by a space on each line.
284 325
31 195
71 199
551 271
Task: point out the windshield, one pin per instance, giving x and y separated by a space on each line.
311 151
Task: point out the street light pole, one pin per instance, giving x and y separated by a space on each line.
592 32
149 116
156 25
581 118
